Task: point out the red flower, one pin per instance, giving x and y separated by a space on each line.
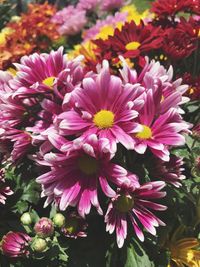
15 244
132 41
194 86
181 41
196 7
171 7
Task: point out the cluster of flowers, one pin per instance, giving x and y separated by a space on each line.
166 37
76 122
87 119
18 244
43 26
72 19
32 31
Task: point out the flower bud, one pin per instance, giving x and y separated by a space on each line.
59 220
75 226
26 218
39 245
15 244
44 227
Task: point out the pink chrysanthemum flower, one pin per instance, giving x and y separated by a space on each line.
109 5
106 107
70 20
30 100
88 5
45 73
75 226
4 190
21 143
15 244
159 117
159 131
75 177
135 205
171 172
167 93
11 109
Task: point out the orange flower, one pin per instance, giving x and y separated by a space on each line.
32 32
184 252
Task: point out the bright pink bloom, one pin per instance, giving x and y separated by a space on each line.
15 244
4 190
171 172
46 73
159 131
21 143
154 76
44 227
162 124
135 205
106 107
70 20
41 89
11 109
75 177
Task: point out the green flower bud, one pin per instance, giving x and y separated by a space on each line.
26 218
39 245
59 220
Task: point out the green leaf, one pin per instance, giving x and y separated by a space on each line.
136 256
31 192
34 215
21 206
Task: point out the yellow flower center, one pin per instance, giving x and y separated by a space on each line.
146 133
12 71
124 203
71 225
132 46
88 165
49 81
104 119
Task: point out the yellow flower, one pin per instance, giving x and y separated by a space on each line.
133 14
108 30
105 31
184 252
86 49
5 32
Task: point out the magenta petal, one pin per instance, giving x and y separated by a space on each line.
121 229
108 191
122 137
69 195
137 230
84 204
